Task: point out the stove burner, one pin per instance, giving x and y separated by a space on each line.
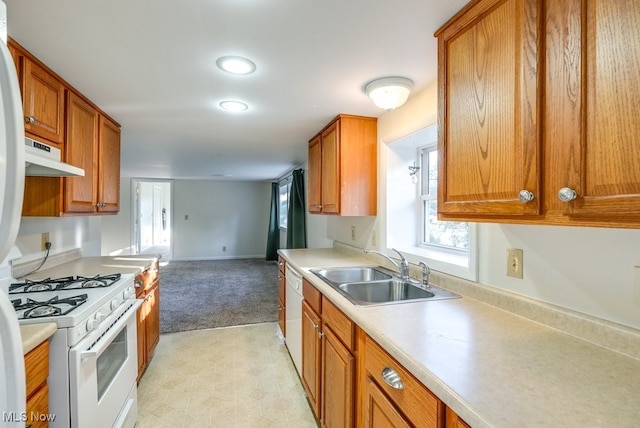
65 283
52 307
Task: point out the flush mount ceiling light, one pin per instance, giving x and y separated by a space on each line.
234 106
236 65
389 92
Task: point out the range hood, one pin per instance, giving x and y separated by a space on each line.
43 160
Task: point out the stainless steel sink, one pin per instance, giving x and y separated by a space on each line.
343 275
367 285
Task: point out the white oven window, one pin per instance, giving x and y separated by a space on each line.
110 362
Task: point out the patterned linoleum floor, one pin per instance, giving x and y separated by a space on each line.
230 377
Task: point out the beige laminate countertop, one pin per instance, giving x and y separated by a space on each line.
89 266
35 334
492 367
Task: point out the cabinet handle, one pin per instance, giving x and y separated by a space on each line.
279 307
525 196
320 334
315 326
392 378
138 284
319 207
30 119
567 194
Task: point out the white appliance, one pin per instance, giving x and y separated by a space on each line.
293 323
12 164
93 359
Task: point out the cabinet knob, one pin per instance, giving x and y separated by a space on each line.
319 207
315 326
392 378
566 194
138 284
525 196
30 119
320 335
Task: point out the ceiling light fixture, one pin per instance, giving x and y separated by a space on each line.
234 106
389 92
236 65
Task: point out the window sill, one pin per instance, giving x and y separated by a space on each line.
453 264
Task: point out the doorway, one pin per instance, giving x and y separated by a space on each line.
152 219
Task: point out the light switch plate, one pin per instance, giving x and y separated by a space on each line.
514 262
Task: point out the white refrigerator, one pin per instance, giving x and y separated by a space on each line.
12 165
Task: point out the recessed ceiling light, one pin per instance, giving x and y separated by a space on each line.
234 106
236 65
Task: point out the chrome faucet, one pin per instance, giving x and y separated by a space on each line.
425 274
403 267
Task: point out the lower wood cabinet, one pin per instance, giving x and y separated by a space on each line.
148 288
351 381
282 295
36 364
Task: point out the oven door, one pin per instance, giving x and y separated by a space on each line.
103 371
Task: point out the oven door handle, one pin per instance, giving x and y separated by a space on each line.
105 341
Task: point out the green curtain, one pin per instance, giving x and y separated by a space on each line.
296 219
273 238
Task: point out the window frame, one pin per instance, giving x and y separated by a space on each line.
286 184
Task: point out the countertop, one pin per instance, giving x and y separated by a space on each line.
492 367
35 334
89 266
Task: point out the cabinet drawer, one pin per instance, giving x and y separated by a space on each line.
36 365
281 265
38 406
341 325
418 403
312 295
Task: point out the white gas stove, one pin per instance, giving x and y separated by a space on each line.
93 354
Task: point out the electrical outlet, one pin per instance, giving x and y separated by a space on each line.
374 240
353 233
514 262
224 248
44 239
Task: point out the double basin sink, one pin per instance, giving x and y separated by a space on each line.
375 285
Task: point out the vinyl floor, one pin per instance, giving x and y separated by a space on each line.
227 377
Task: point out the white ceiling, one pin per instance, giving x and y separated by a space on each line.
150 64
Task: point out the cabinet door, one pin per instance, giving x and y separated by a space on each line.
43 102
142 358
315 175
338 377
379 411
81 151
489 102
109 168
311 356
152 323
282 308
593 86
330 180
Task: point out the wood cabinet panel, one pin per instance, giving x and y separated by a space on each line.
453 420
108 185
418 404
37 392
43 103
81 151
312 356
489 142
312 295
343 167
147 285
338 383
341 325
379 410
314 198
37 406
152 327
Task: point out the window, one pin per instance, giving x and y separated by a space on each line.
283 204
451 235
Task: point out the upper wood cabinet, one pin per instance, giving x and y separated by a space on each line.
540 99
86 136
343 167
42 102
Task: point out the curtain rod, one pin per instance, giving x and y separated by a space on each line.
286 177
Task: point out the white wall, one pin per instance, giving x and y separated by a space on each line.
590 270
64 234
234 215
116 229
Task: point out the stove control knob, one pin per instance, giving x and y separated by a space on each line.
100 316
115 303
92 324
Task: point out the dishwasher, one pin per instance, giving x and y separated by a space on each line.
293 317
